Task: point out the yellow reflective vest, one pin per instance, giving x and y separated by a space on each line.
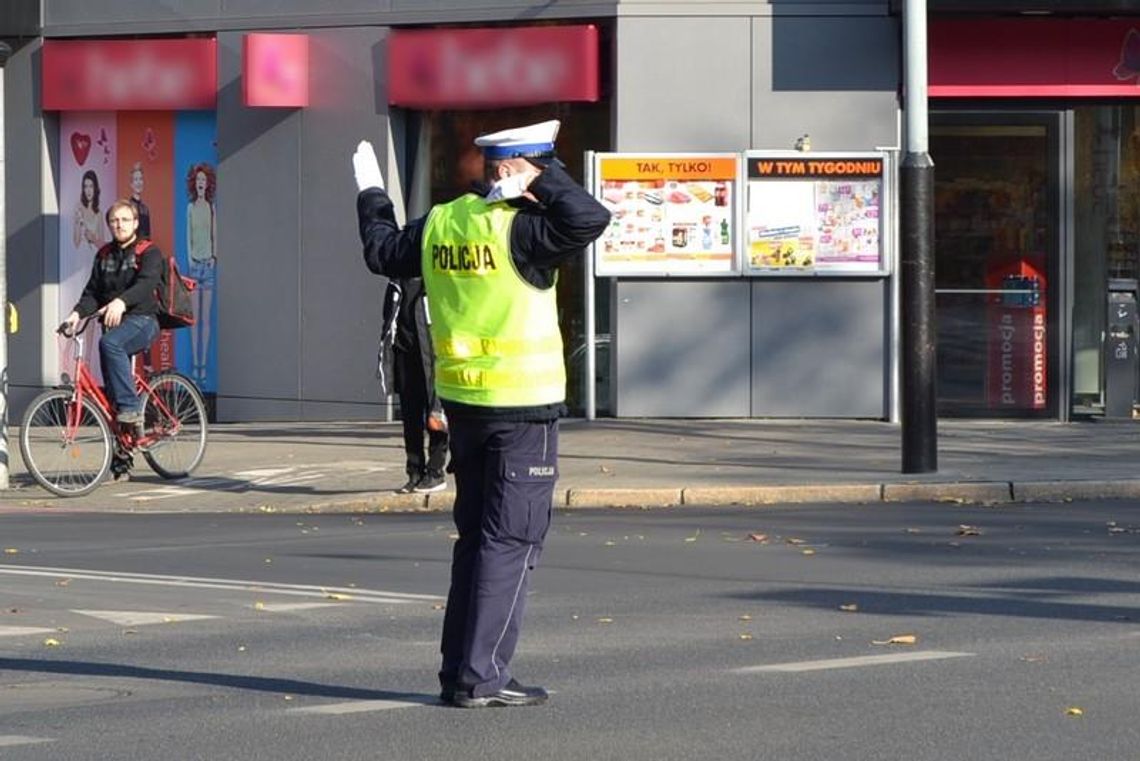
496 336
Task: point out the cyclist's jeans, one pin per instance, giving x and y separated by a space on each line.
135 333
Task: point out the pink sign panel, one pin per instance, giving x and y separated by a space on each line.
275 70
129 75
999 58
485 68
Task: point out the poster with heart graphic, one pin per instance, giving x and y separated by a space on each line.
87 185
165 162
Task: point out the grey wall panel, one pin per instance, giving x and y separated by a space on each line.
32 232
819 348
674 94
340 298
103 11
682 348
682 84
259 225
835 79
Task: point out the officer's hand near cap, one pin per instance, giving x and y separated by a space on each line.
523 173
366 168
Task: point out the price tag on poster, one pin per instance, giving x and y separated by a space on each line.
823 214
673 214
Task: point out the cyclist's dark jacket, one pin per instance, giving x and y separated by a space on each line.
565 221
114 274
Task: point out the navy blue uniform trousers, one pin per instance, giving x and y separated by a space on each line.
504 485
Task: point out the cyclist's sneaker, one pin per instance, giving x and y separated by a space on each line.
130 417
121 467
431 482
410 486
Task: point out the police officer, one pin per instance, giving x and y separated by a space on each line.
489 262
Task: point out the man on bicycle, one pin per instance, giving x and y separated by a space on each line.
121 290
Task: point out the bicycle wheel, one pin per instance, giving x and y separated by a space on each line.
68 460
174 415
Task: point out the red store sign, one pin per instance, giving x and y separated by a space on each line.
485 68
129 75
1034 57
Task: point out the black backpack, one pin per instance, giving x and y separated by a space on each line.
174 293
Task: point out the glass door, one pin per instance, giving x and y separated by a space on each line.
997 244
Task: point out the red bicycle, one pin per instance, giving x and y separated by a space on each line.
70 439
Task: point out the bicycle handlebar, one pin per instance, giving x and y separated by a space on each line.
64 327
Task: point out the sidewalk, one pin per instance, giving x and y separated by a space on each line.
328 467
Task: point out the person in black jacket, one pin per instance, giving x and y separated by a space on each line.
406 367
494 326
121 290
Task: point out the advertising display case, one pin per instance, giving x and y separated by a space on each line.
673 214
817 214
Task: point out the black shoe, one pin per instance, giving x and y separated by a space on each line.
447 692
431 482
410 486
514 694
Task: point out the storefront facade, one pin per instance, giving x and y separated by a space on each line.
294 314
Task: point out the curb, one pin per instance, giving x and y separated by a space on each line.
963 492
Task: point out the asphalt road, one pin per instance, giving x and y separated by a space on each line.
668 634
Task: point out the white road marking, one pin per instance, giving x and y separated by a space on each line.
858 661
141 618
363 706
7 741
289 607
298 590
21 631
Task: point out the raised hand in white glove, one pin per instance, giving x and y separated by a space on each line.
511 187
366 168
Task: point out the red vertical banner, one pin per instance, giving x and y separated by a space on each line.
1017 319
145 172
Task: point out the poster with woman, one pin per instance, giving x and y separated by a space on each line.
87 187
196 237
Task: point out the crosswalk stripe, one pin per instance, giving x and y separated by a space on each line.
20 631
7 741
289 607
299 590
363 706
140 617
846 663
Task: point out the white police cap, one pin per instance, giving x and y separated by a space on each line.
535 141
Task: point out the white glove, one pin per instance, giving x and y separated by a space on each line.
511 187
366 168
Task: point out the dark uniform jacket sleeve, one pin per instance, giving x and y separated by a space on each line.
388 250
570 220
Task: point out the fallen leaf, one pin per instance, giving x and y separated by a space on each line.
609 543
900 639
964 530
604 469
241 648
267 508
693 538
849 607
11 551
745 617
259 606
130 631
914 531
62 582
746 635
808 552
439 606
761 538
793 540
52 642
337 596
62 629
269 560
1033 658
605 620
1074 711
288 697
169 620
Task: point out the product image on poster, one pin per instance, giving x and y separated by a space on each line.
816 216
670 214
